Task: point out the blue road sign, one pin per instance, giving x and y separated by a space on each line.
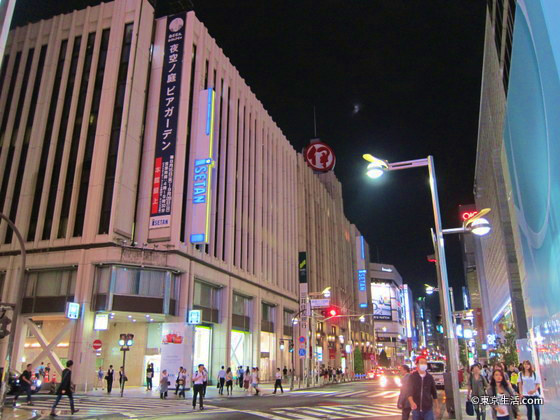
302 352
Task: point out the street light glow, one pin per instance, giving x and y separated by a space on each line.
376 166
481 227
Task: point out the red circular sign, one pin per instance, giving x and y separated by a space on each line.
319 156
97 344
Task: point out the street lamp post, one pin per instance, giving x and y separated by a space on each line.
16 312
375 169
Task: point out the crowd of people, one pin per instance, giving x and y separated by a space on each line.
496 389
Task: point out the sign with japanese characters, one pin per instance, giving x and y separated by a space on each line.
201 168
166 136
361 271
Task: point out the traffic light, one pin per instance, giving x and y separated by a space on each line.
122 340
282 347
4 322
291 347
129 339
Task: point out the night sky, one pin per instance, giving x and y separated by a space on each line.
399 79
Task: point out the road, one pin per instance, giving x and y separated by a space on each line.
358 400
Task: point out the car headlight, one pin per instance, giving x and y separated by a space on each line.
383 380
398 381
38 383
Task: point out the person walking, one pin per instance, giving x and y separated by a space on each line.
285 373
149 377
205 381
477 386
66 387
247 379
25 385
177 380
500 388
403 402
163 384
182 382
100 376
240 373
110 377
529 387
278 381
255 381
199 378
421 392
221 380
229 381
122 378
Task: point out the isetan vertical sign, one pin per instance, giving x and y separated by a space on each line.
201 169
166 137
361 272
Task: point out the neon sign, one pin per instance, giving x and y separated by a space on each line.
201 169
362 280
466 215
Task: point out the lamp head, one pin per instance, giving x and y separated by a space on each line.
480 227
376 166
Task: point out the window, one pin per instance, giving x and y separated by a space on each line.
53 189
51 283
267 317
9 99
26 140
240 305
46 144
118 109
288 326
90 136
132 281
3 72
2 281
205 295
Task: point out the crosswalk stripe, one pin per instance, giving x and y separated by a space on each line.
290 414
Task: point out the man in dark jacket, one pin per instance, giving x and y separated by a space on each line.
65 388
421 392
402 402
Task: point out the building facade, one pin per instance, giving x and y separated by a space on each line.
151 187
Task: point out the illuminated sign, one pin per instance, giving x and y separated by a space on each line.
201 170
362 272
194 317
381 300
72 310
101 322
168 119
408 311
468 214
319 156
387 270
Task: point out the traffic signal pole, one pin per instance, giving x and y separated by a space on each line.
15 314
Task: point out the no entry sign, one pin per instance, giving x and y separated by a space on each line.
97 344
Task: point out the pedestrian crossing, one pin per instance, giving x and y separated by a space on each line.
117 407
340 394
335 412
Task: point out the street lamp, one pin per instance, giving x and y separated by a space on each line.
376 168
125 341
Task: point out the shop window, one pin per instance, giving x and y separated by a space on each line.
241 319
267 319
288 326
49 290
206 298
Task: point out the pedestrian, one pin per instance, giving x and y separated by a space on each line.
247 379
66 387
529 387
41 371
149 376
240 373
278 381
486 373
199 378
500 388
221 380
421 392
100 376
122 377
285 373
177 379
229 381
25 385
205 381
110 377
403 402
514 379
163 384
182 382
48 372
477 386
255 380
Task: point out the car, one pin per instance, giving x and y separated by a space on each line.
437 369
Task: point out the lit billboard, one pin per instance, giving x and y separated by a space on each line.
381 300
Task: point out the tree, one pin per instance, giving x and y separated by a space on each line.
358 362
383 359
463 356
506 348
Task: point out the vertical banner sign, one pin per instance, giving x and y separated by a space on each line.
303 290
361 272
174 348
201 170
168 112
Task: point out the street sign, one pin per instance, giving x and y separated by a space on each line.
97 344
101 322
72 310
302 352
319 156
320 303
302 339
194 317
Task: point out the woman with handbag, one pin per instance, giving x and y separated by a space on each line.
529 387
122 377
66 387
500 388
110 378
477 386
163 385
